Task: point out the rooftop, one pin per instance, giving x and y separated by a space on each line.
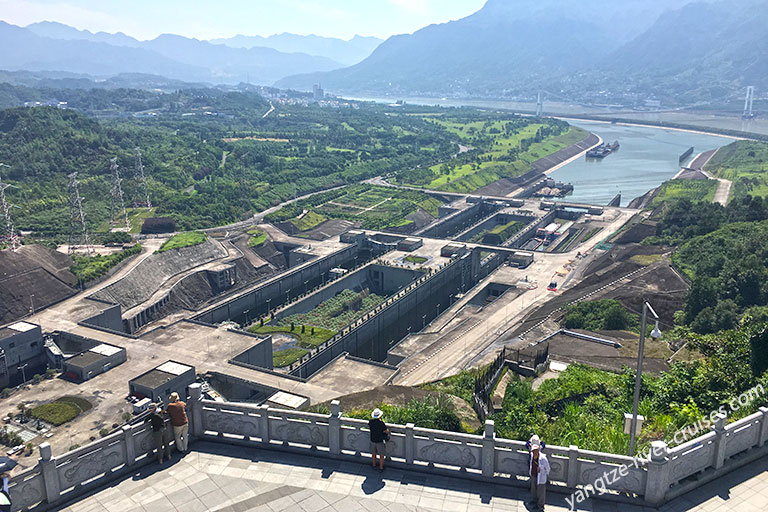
228 478
85 359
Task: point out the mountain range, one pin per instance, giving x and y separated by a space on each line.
346 52
49 46
585 50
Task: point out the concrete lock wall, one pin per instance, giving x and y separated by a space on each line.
373 336
383 280
459 221
279 290
258 355
493 221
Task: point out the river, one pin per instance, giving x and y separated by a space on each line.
647 157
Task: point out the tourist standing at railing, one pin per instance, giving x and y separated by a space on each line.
177 410
379 438
157 420
539 472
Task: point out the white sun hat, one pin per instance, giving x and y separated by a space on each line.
535 442
376 414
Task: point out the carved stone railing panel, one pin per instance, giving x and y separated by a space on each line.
84 466
436 447
692 457
296 428
633 481
27 489
742 438
231 420
142 439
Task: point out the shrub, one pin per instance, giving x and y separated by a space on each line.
155 225
183 240
104 432
117 237
56 413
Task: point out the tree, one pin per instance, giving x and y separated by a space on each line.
758 344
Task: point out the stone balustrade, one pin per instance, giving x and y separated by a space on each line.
654 479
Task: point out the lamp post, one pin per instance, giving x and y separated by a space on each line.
32 303
655 334
23 373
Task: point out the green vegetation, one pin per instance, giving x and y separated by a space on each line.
499 234
461 385
61 410
693 190
257 238
745 163
336 312
88 268
601 315
418 260
500 148
374 207
434 411
306 339
287 357
117 237
183 240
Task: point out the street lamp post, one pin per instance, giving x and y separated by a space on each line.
23 373
32 303
655 334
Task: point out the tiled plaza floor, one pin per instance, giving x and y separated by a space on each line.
227 478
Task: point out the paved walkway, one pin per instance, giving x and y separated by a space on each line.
227 478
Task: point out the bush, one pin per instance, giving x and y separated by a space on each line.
601 315
88 268
56 413
156 225
104 432
183 240
117 237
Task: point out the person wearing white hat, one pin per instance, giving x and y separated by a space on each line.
379 437
539 472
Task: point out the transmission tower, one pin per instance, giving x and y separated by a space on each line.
539 106
78 232
10 236
142 200
748 113
116 190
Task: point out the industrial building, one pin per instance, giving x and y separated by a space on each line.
158 383
409 244
92 362
21 352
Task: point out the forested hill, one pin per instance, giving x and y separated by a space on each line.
211 158
590 50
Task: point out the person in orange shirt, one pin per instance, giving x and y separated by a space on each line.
177 410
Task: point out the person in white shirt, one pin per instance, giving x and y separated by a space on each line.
539 472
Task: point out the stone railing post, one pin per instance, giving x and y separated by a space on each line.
721 440
130 445
264 423
573 467
657 482
334 428
410 447
763 427
196 405
50 474
489 449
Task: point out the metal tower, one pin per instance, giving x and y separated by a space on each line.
116 191
142 193
10 236
539 106
78 232
748 113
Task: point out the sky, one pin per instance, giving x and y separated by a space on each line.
208 19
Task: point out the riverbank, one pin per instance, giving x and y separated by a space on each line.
661 126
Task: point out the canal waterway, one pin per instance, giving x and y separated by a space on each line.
648 156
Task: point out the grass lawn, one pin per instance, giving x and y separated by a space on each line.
744 163
307 339
489 167
61 410
694 190
287 357
183 240
415 259
257 238
337 312
310 220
